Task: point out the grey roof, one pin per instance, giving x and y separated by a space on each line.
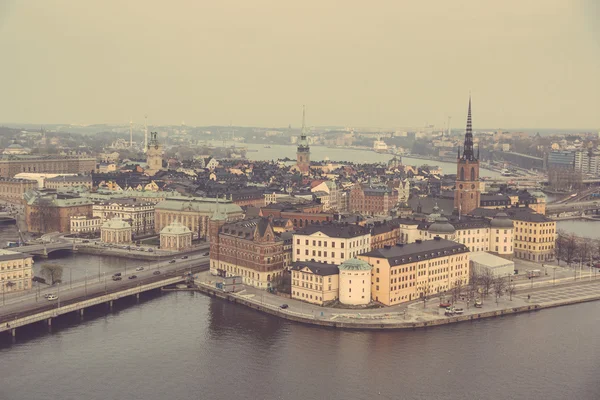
175 228
355 264
441 225
501 220
335 230
198 204
316 268
8 255
418 251
70 178
115 223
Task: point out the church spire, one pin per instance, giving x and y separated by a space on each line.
468 153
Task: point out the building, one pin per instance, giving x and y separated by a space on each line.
12 189
47 212
482 263
248 248
467 192
138 214
16 149
315 282
15 271
116 231
65 182
329 194
303 151
355 282
14 164
366 199
81 224
330 243
298 218
154 155
175 237
407 272
193 212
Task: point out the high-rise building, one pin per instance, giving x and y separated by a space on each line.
467 192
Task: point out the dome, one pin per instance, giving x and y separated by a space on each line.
441 225
175 228
14 146
354 264
501 220
115 223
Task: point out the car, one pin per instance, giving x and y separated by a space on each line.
172 261
139 269
116 278
132 276
156 273
150 250
48 295
205 254
445 305
283 306
52 297
85 241
184 257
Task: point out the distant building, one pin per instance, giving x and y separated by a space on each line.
11 165
355 282
16 149
116 231
68 181
175 237
47 212
154 155
138 214
467 192
315 282
81 224
15 271
12 189
303 151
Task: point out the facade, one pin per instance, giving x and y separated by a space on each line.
482 262
365 199
247 248
330 243
138 214
68 181
355 282
15 271
175 237
303 151
116 231
14 164
329 195
154 155
467 192
315 282
193 212
12 190
47 212
534 236
409 272
83 224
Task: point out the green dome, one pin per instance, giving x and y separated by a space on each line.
354 264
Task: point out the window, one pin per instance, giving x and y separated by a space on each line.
342 245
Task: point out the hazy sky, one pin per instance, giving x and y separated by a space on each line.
528 63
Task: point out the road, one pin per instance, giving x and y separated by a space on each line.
34 300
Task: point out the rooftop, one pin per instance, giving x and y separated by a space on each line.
418 251
316 268
335 230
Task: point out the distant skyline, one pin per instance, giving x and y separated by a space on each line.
528 64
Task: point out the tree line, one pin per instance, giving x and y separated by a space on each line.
573 249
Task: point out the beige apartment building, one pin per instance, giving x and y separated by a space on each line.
12 189
138 214
407 272
535 237
315 282
15 271
330 243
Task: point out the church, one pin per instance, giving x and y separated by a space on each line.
303 152
467 192
154 155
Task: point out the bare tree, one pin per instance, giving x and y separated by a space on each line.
424 292
559 246
457 290
487 282
499 285
473 287
53 272
570 246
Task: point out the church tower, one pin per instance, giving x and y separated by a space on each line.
303 152
154 154
467 193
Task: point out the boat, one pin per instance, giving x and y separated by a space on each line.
380 146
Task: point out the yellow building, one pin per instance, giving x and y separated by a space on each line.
315 282
535 236
175 237
116 231
15 271
355 282
407 272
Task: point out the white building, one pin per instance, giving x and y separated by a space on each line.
330 243
355 282
139 214
83 224
330 197
482 262
116 231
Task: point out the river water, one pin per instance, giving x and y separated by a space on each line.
580 227
188 346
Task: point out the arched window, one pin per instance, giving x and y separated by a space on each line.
472 173
462 173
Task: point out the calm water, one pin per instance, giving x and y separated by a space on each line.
584 228
188 346
320 153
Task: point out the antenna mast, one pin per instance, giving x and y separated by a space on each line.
145 133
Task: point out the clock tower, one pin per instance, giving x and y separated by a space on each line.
154 154
467 193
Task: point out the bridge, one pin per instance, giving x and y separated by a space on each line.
26 308
44 249
573 209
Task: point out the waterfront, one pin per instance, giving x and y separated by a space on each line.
319 153
186 345
580 227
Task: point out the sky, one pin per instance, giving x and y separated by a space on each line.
353 63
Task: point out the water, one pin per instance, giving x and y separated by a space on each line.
320 153
188 346
580 227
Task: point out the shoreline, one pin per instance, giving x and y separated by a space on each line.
371 326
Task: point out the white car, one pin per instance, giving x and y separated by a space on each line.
139 269
52 297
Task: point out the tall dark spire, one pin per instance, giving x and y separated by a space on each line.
468 153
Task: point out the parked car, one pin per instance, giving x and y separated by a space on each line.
205 254
48 295
284 306
184 257
116 278
85 241
139 269
172 261
445 305
52 297
150 250
132 276
156 273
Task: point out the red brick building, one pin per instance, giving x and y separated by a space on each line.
366 199
467 192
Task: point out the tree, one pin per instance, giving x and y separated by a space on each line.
457 290
487 282
473 285
424 291
53 272
559 247
511 287
570 246
499 285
